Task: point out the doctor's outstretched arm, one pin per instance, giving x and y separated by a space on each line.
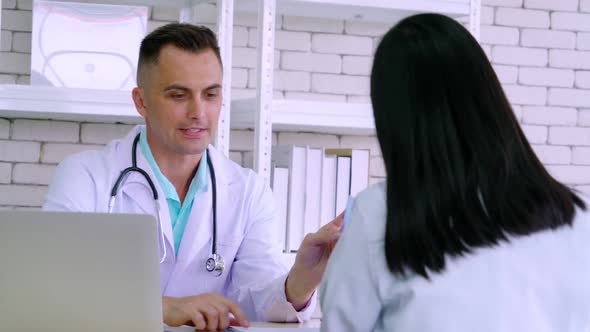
310 263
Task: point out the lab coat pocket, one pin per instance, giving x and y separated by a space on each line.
228 249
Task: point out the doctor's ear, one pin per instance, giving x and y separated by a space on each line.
139 101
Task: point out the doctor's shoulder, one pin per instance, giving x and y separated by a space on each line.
78 178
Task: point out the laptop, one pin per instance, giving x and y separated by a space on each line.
73 272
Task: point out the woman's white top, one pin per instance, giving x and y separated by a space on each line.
536 283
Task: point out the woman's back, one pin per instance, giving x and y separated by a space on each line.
539 282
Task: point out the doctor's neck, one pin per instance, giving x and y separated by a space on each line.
178 167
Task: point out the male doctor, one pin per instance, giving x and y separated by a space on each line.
179 80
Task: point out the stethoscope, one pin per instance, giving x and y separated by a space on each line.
215 264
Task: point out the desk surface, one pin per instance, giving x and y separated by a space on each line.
313 323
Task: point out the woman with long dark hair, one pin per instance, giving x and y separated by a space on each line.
469 232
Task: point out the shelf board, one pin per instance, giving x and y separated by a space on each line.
308 116
388 11
71 104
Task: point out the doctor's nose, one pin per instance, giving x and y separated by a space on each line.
196 108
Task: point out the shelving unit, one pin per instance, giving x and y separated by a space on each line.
74 104
265 114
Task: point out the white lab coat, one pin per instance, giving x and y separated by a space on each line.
254 275
537 283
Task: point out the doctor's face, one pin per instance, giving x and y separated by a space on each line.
180 99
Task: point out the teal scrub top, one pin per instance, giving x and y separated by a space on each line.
179 213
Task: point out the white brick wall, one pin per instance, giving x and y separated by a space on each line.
9 4
20 151
24 4
554 155
546 77
32 174
583 41
15 63
341 44
4 129
6 41
311 62
571 5
491 34
581 156
357 65
239 78
549 115
349 85
526 95
572 175
584 118
535 134
5 173
21 42
569 136
487 15
360 142
17 20
325 141
548 38
516 17
511 55
53 153
49 131
506 74
311 24
285 40
569 97
241 140
570 21
583 79
363 28
21 195
569 59
96 133
503 3
315 96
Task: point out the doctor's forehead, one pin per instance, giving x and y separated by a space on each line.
197 69
177 66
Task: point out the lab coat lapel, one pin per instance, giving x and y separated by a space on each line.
138 190
197 240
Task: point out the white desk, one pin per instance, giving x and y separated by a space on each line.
313 323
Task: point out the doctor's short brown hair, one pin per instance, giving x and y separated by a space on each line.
187 37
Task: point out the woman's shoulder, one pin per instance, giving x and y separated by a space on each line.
371 206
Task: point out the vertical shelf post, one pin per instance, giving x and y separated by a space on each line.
225 22
264 93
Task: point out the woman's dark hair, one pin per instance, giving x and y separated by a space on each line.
460 172
187 37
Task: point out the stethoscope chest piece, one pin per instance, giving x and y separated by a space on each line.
215 265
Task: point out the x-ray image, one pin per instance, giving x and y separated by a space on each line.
86 45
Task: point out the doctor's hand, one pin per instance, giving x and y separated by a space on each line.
209 312
310 263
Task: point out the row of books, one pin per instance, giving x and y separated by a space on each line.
311 187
